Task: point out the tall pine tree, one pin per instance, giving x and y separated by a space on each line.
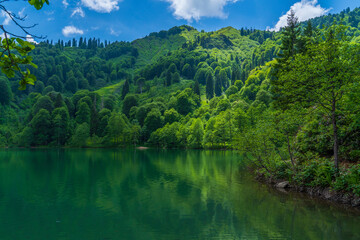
209 85
125 90
290 38
218 87
197 88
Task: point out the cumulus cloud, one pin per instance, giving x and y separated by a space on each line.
78 11
65 3
21 13
103 6
196 9
71 30
114 32
30 39
7 18
304 10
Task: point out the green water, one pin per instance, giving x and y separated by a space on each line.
128 194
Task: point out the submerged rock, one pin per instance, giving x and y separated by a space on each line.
346 199
328 194
283 185
355 202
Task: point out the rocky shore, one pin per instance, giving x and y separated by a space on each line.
345 198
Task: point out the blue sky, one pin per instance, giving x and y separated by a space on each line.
131 19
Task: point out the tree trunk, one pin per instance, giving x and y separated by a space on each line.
336 141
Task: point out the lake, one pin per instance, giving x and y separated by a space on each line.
107 194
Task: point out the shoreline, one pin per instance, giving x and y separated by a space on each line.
343 198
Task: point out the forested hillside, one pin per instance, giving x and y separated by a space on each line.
149 74
290 99
180 88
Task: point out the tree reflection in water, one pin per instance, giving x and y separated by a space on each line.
152 194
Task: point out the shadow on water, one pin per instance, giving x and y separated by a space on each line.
153 194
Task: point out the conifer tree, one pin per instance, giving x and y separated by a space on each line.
125 90
197 88
6 94
209 85
218 87
83 114
290 38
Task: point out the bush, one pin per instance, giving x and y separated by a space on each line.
318 173
349 180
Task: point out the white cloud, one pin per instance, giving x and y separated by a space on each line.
7 18
30 39
71 30
114 32
195 9
103 6
304 10
49 13
78 11
65 3
21 13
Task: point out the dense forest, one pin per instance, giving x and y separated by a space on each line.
290 99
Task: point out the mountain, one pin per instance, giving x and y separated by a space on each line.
148 88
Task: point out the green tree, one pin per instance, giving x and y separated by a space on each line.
231 90
168 78
187 71
59 101
43 102
71 85
141 82
171 116
223 129
125 89
83 83
56 83
218 88
81 135
209 85
320 77
239 84
172 68
6 93
224 79
236 73
47 90
116 128
200 76
39 86
175 77
60 122
83 114
196 136
306 38
153 121
104 116
129 102
186 101
109 102
209 137
197 88
290 38
41 126
223 105
135 133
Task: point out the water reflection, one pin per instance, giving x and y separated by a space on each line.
128 194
